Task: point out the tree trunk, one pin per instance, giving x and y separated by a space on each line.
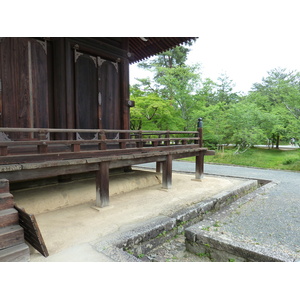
277 141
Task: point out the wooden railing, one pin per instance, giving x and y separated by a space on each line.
44 141
42 153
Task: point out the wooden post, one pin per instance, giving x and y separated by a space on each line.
200 157
158 167
200 126
167 143
42 148
140 139
75 147
102 144
200 165
167 172
102 185
3 150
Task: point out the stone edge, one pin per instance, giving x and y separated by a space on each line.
113 245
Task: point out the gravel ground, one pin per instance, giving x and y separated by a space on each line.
270 219
173 251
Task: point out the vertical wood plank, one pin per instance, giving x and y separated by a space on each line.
86 80
102 185
1 63
167 172
124 91
59 89
70 88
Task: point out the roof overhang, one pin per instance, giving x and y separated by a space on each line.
142 48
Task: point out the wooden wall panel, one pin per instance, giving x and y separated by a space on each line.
24 84
39 74
86 85
110 94
15 84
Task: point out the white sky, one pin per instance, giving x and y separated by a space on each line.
243 39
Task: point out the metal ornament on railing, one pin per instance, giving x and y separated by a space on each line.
200 123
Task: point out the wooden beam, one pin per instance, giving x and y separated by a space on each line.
102 185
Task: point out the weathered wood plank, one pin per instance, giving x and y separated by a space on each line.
8 217
17 253
4 186
27 158
31 231
11 236
6 201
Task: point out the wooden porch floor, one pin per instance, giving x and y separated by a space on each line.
54 152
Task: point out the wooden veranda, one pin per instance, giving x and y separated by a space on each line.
42 156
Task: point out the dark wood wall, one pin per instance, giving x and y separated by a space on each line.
64 83
24 83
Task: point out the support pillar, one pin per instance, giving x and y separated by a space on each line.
200 165
167 172
102 185
158 167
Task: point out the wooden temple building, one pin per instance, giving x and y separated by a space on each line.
65 109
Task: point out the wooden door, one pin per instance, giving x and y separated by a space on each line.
109 95
97 94
86 93
24 84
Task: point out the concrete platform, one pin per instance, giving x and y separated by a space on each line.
72 230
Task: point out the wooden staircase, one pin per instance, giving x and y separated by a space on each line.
12 244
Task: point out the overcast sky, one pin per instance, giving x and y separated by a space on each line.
244 39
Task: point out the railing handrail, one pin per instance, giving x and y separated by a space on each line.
42 143
65 130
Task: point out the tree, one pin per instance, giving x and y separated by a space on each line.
174 82
279 95
152 113
224 90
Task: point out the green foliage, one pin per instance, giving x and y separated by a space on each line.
278 95
153 113
173 82
260 158
178 95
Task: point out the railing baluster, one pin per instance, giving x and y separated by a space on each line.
75 147
42 148
167 143
102 144
3 151
140 137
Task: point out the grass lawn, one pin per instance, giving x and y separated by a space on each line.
256 157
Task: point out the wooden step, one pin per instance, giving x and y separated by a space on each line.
4 186
6 201
9 217
17 253
11 236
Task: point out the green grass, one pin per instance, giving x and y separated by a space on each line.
255 157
